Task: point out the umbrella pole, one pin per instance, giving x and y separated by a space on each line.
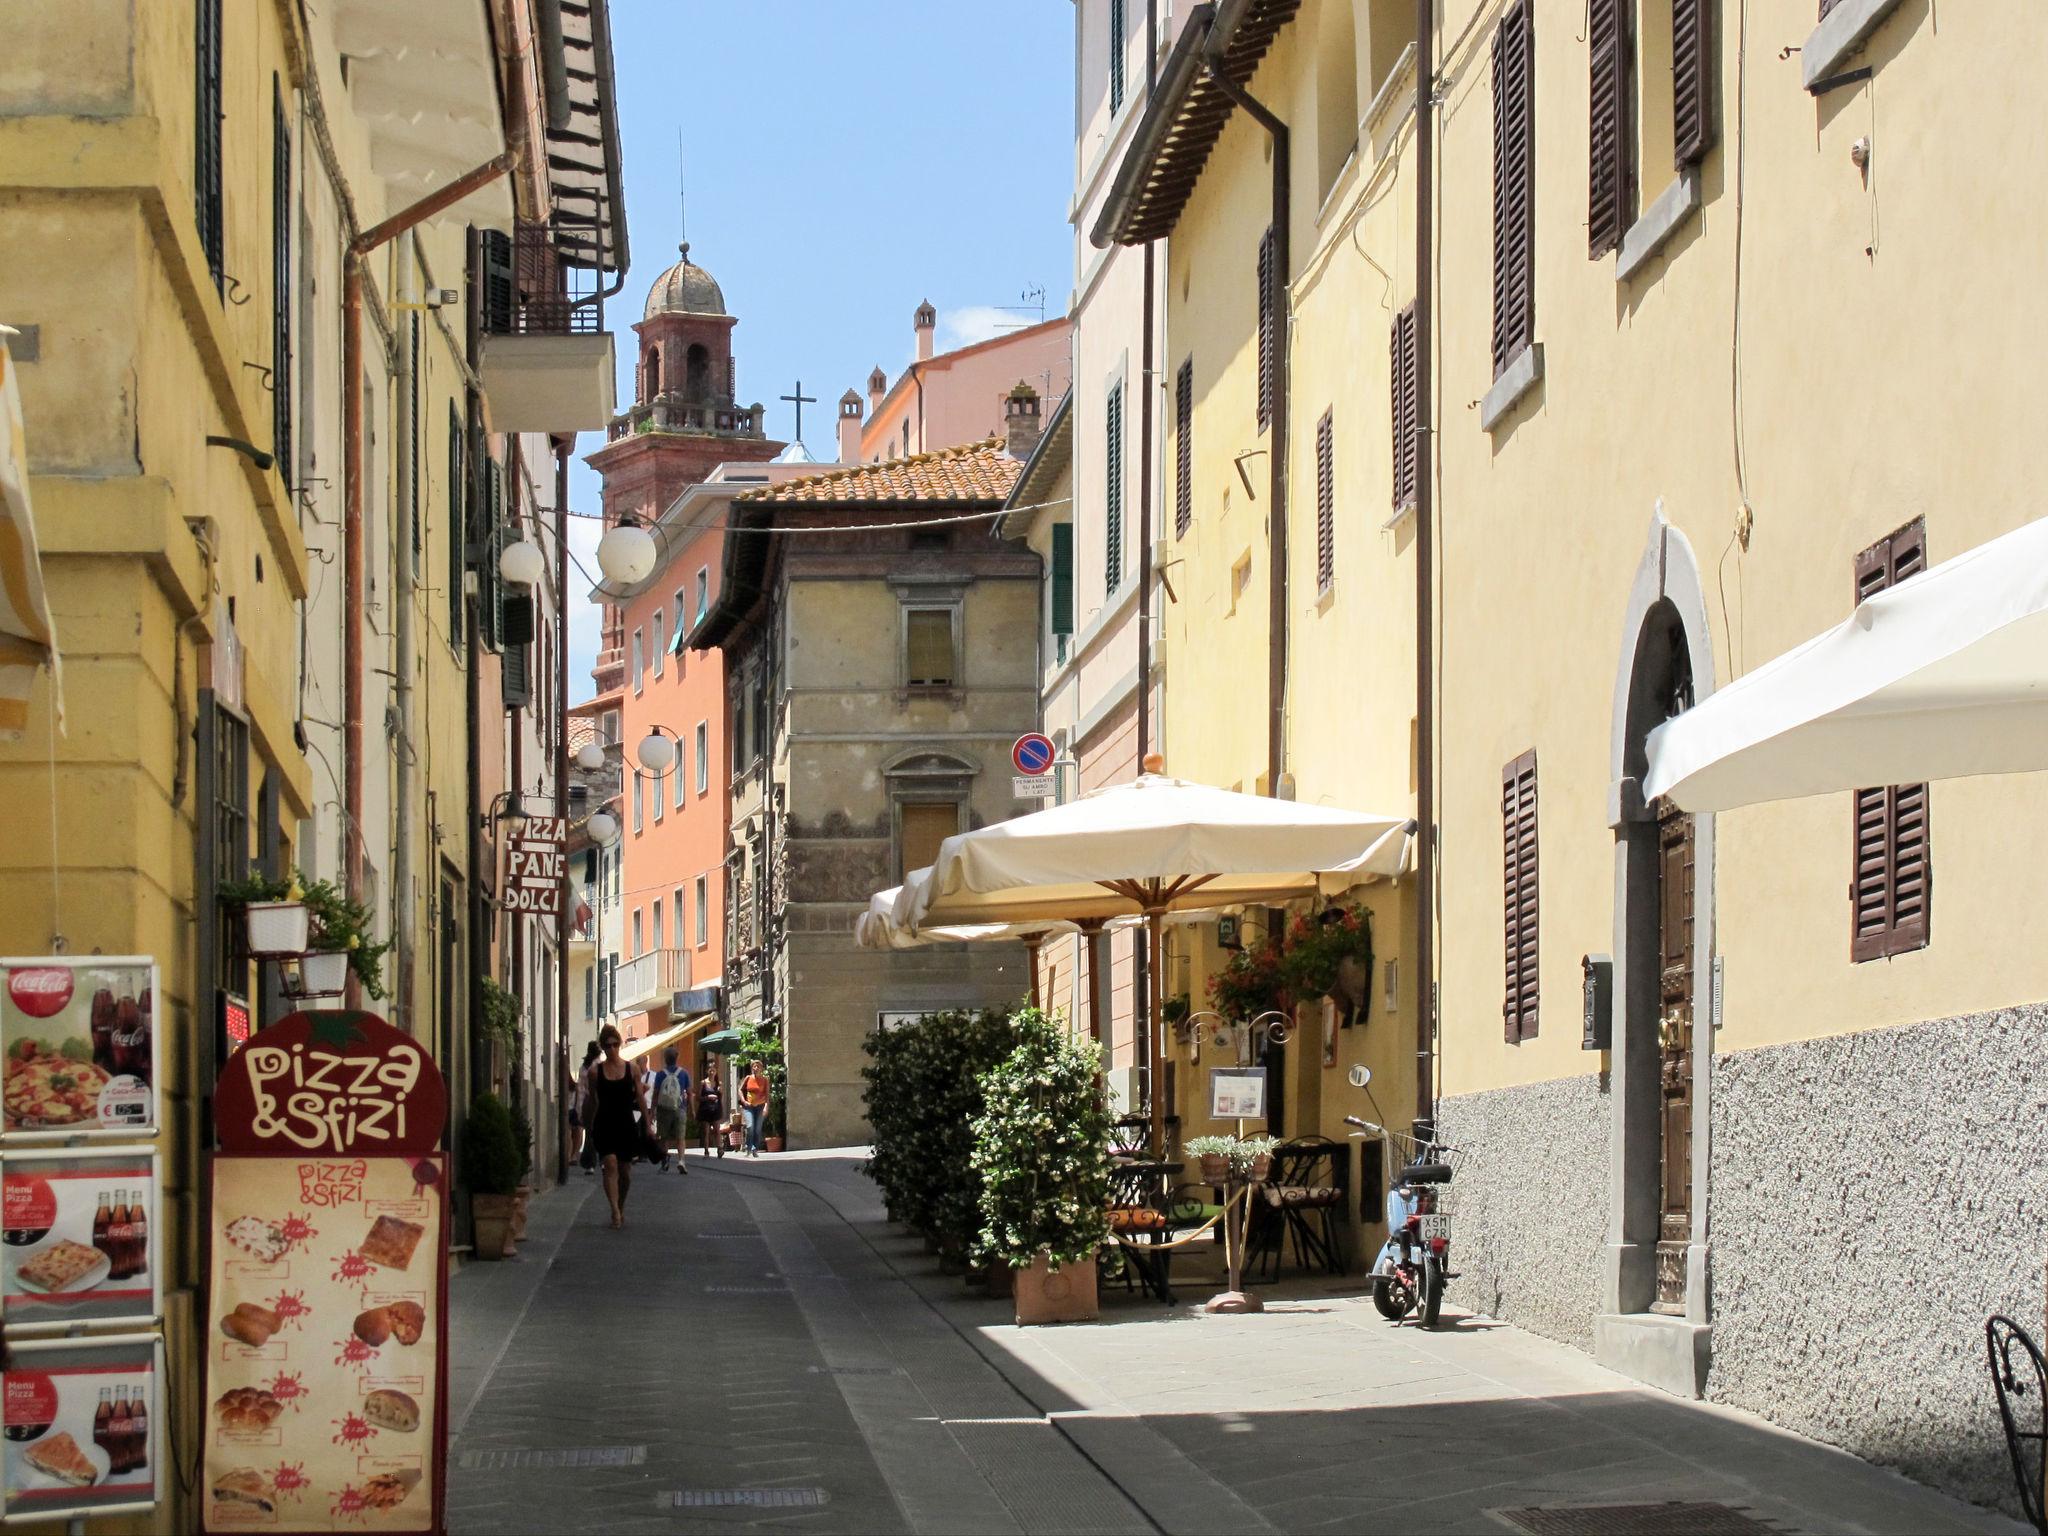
1090 927
1031 953
1155 924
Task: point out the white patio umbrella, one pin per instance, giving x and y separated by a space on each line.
1943 676
1148 848
881 927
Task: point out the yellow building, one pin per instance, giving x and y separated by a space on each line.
1717 346
281 636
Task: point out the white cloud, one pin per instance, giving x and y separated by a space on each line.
976 322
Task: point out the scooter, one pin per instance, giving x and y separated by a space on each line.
1413 1265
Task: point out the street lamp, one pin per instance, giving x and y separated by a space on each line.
657 752
626 554
604 828
522 564
590 757
505 811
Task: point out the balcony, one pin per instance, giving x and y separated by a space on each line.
547 359
651 979
670 412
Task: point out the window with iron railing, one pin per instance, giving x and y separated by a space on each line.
529 290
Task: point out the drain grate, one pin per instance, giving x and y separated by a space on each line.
726 1237
1675 1519
555 1456
855 1370
750 1498
746 1290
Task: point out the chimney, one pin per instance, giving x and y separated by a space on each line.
927 319
849 428
878 387
1021 421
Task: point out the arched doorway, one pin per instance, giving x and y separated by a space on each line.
1656 1263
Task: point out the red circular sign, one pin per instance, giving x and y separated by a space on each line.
41 992
1033 753
31 1399
27 1204
331 1084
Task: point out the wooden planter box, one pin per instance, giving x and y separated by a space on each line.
1063 1295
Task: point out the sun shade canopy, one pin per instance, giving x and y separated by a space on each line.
1943 676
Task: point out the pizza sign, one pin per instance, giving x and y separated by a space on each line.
536 867
333 1083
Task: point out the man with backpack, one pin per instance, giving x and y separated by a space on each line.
669 1091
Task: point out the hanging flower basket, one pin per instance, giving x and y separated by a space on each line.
277 928
323 973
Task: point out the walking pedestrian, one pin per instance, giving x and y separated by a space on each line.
580 1112
711 1111
615 1099
671 1097
754 1104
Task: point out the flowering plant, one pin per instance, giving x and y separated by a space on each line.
1317 948
1251 983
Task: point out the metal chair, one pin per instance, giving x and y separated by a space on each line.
2020 1376
1298 1206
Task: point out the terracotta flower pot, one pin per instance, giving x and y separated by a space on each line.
1063 1295
491 1215
520 1196
1000 1279
772 1143
1261 1166
1215 1168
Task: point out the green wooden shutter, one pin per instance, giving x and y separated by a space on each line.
1113 489
1063 578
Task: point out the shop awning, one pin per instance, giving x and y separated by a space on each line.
28 641
1943 676
646 1045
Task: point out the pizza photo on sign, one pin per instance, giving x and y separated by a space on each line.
78 1417
77 1239
79 1044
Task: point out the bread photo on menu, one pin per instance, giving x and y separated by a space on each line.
245 1485
60 1457
258 1238
250 1324
388 1408
387 1490
408 1321
374 1326
247 1410
391 1242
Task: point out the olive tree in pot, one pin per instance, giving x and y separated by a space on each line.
1042 1152
490 1169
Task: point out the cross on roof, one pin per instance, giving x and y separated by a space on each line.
800 400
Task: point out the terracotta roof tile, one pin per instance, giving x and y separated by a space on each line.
972 472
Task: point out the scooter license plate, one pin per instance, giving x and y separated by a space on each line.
1436 1226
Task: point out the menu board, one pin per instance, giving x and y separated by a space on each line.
79 1238
80 1042
81 1421
327 1295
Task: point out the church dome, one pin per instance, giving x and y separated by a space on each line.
685 289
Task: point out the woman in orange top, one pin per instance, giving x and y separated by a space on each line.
754 1105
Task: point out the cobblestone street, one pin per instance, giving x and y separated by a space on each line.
759 1349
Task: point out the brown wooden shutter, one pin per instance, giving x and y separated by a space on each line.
1610 191
1519 898
1514 184
1692 79
1268 281
1183 449
1891 889
1326 503
1403 406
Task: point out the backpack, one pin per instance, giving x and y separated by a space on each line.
669 1095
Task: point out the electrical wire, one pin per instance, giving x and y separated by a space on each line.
918 522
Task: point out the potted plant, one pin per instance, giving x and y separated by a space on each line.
273 911
1213 1153
1249 984
315 923
1330 955
490 1169
1251 1157
522 1138
1045 1196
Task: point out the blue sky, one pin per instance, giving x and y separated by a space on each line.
845 161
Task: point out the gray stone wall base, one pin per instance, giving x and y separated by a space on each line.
1667 1353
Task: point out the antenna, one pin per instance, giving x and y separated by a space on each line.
1034 303
682 187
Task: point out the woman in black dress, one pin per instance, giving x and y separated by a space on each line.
615 1135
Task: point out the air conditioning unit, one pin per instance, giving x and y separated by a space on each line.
1123 1089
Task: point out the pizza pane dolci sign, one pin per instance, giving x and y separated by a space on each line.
332 1083
535 867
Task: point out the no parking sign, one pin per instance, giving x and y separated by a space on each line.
1032 756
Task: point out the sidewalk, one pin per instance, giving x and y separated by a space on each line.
1318 1414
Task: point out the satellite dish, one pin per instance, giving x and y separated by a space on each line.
1360 1076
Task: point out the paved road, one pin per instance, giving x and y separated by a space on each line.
758 1348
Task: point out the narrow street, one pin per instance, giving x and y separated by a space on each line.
759 1348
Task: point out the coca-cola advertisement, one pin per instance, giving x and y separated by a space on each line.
79 1238
80 1042
82 1426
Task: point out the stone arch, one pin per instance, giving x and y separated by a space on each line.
1666 645
652 375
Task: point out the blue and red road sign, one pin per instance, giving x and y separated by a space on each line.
1033 753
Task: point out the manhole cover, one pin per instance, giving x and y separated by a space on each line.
556 1456
1638 1520
746 1290
855 1370
750 1498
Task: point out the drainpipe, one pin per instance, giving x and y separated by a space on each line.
352 498
402 686
1147 378
1276 457
561 765
515 729
1425 574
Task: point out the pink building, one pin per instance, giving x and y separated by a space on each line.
954 397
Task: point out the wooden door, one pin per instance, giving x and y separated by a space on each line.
1674 1040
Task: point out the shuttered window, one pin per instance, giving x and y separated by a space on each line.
1519 896
1611 181
281 285
1692 79
1404 407
928 643
500 296
1113 489
1062 593
206 118
1117 50
1269 296
415 390
517 678
1891 887
1184 448
1326 503
1826 6
458 518
1514 184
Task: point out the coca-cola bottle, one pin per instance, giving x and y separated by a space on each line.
102 1017
131 1040
138 1235
102 1417
103 1236
119 1433
138 1433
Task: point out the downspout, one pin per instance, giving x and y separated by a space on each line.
402 682
1425 576
1276 665
515 729
1147 376
352 497
561 767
